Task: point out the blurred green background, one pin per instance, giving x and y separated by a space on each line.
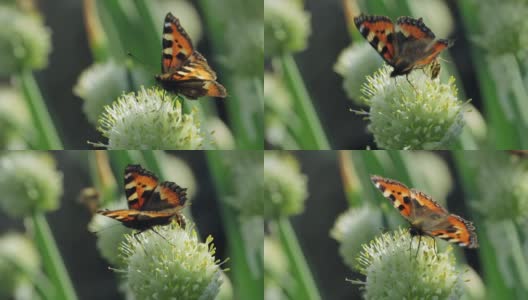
89 272
84 33
318 62
339 211
329 37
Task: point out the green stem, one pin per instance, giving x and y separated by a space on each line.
51 258
245 114
301 271
153 36
502 130
349 178
47 134
311 125
245 285
488 257
366 164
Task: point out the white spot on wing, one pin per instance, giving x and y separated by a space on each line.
380 46
133 196
167 51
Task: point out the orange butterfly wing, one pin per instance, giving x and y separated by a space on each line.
379 32
416 42
140 184
426 215
396 192
406 45
433 53
168 196
149 204
176 43
184 70
196 67
122 215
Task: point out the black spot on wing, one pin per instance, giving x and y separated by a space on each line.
390 37
128 179
166 43
375 42
180 56
167 29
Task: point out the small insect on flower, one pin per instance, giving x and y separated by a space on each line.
406 46
427 218
184 70
149 203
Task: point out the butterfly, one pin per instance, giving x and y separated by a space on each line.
406 46
184 70
149 203
427 218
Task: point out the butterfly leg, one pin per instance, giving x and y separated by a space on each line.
135 235
410 247
407 78
161 236
434 245
418 249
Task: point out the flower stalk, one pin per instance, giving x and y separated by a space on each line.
48 138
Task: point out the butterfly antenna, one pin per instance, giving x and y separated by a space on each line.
162 236
141 62
442 59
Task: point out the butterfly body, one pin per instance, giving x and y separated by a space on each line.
184 70
425 216
407 45
149 203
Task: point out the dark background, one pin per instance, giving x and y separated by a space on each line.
329 37
326 201
87 269
70 55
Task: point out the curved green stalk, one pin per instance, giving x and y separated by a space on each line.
48 139
307 287
51 258
245 286
312 129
